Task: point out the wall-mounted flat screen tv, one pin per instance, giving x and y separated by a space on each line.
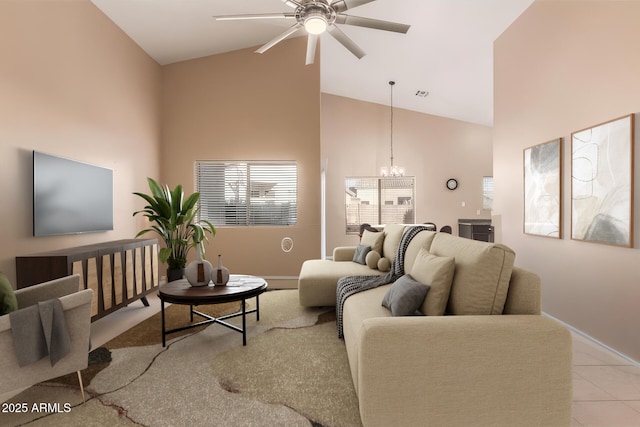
70 197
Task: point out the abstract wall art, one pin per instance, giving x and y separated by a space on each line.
543 189
602 183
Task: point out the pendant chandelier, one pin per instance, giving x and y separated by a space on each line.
391 170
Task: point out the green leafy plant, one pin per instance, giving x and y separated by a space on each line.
174 218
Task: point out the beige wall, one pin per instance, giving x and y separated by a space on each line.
244 106
72 85
561 67
356 142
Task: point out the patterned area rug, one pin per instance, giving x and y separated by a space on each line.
293 372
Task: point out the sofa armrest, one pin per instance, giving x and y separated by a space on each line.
465 370
344 253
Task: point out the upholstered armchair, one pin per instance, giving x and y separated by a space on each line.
76 307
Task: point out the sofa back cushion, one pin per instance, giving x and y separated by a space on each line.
481 279
392 237
420 241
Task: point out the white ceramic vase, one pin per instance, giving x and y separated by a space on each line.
220 275
199 272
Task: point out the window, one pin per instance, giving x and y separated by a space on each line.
487 193
376 200
243 193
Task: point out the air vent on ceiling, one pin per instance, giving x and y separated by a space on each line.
422 93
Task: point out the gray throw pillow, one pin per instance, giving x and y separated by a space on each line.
405 296
360 256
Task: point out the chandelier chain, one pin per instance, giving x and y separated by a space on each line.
391 83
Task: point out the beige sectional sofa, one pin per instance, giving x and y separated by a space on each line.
491 360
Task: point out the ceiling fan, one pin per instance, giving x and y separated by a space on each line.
318 16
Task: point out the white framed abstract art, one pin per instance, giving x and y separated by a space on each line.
602 183
543 189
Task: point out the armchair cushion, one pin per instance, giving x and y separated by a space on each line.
8 301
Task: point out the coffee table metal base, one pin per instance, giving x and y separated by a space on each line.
240 288
218 320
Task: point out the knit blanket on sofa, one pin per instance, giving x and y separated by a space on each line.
350 285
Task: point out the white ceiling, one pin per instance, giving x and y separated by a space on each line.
448 51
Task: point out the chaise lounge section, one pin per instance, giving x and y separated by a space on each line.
478 353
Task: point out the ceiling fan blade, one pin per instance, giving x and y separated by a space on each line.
278 39
254 16
312 41
342 5
372 23
345 41
292 3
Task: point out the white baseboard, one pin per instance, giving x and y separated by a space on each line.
282 282
595 341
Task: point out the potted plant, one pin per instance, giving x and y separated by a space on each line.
174 218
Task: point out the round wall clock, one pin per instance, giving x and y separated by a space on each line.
452 184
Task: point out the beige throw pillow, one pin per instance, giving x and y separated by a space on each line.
437 272
384 264
369 238
372 259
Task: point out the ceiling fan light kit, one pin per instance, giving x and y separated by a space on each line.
315 25
319 16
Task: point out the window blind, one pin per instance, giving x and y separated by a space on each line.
245 193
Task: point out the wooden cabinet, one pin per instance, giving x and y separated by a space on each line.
119 272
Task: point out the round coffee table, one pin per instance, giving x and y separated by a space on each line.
239 288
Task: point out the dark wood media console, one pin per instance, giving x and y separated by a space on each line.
119 272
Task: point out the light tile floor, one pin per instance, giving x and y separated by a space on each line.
606 386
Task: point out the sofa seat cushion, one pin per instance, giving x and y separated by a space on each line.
357 308
481 280
319 277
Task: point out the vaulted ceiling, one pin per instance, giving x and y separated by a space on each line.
447 52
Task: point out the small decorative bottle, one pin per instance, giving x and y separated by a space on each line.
220 275
199 272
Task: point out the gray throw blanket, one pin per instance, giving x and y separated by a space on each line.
40 330
350 285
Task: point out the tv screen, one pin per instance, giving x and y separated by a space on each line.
70 197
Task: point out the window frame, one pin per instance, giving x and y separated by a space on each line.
256 200
382 211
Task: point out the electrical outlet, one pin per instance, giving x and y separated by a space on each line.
463 204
